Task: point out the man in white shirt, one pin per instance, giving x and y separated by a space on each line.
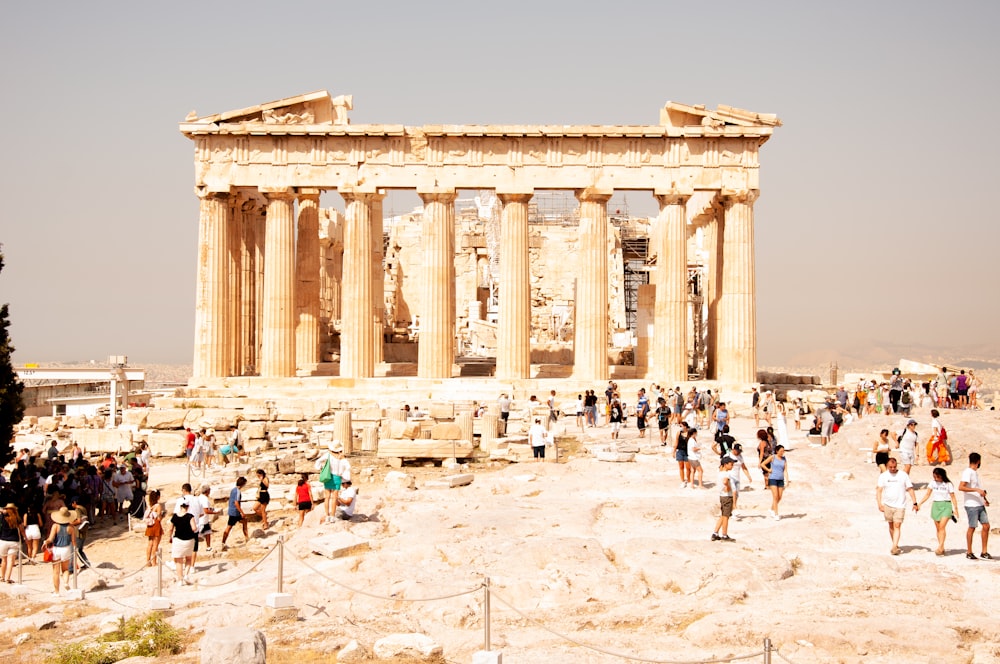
893 487
536 438
122 481
975 503
346 500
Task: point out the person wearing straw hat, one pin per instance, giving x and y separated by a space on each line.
334 469
62 540
11 534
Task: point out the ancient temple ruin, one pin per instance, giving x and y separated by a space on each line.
288 288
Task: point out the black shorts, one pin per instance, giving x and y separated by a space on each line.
305 506
881 458
539 451
233 520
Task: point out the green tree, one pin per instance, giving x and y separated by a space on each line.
11 403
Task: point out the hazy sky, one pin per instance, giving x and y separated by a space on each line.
877 219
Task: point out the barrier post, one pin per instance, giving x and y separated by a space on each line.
158 602
486 614
279 604
767 650
281 561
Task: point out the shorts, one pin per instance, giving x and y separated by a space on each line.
893 514
726 503
181 548
615 427
640 423
882 458
695 463
976 516
681 455
62 554
206 529
305 506
233 520
538 452
941 509
906 457
9 548
827 429
777 483
32 532
664 425
333 484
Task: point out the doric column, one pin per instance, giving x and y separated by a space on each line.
670 360
436 351
234 269
712 289
378 278
307 281
590 346
278 335
357 336
211 322
514 325
737 352
252 254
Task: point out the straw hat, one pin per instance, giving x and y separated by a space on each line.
335 446
62 515
10 506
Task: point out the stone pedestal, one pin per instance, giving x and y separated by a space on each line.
464 422
489 431
397 414
343 431
307 281
590 347
671 314
233 645
436 352
211 326
737 324
514 324
278 335
369 438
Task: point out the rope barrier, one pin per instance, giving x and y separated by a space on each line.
391 599
199 583
775 650
611 652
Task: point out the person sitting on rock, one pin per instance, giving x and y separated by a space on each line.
346 500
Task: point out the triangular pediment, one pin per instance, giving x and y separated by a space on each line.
675 114
311 108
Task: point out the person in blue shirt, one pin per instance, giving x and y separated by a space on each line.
235 511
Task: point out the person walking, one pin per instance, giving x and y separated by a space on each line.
182 537
536 438
62 541
263 498
975 504
725 501
681 454
907 440
11 536
893 487
695 471
777 478
334 469
944 505
154 527
235 511
881 450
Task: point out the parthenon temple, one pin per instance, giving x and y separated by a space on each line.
289 288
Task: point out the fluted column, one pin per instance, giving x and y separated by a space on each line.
234 270
670 343
712 290
278 334
737 352
211 321
514 325
357 337
590 346
436 352
307 281
378 278
247 357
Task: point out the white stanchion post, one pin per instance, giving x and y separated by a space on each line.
158 602
280 603
486 656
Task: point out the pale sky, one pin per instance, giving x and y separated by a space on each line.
876 223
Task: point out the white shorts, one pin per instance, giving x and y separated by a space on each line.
9 548
906 458
32 532
62 554
180 548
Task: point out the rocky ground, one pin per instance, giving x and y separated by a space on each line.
584 558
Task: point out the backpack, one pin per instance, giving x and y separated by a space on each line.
943 436
904 398
150 518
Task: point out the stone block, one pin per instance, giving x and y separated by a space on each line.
338 545
220 419
614 457
135 416
487 657
47 424
169 418
442 410
289 415
368 414
283 614
278 600
415 645
76 422
102 440
424 449
233 645
352 653
446 431
286 465
166 443
451 481
74 594
257 413
405 429
252 429
395 479
159 603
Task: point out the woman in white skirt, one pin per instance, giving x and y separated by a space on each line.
32 531
182 538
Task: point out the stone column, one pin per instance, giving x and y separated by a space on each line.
737 352
514 326
212 342
465 425
260 233
590 346
713 237
307 282
670 343
251 252
343 430
278 335
369 438
489 431
378 277
234 270
357 353
436 351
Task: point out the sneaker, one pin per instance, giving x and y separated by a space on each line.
770 513
726 538
684 485
985 556
715 537
208 549
971 556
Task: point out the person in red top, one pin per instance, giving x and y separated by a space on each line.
189 442
303 496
